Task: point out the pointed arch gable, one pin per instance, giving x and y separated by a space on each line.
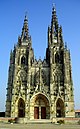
39 94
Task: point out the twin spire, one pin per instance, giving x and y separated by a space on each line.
54 32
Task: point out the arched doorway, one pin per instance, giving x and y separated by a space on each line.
21 108
60 108
41 107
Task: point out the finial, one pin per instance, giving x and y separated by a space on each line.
54 6
66 45
54 10
26 15
60 29
11 53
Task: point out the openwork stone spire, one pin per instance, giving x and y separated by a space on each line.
54 22
25 30
25 38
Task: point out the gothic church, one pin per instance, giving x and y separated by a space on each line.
40 89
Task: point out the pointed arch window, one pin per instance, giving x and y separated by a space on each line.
56 58
23 60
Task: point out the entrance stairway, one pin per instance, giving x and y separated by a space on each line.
35 121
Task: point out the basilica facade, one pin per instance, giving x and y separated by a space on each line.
40 89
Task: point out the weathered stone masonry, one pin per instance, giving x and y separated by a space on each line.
40 89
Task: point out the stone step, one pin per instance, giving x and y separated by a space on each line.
39 121
24 120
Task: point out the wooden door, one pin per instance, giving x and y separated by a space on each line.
36 112
43 112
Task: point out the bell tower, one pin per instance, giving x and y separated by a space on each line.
58 58
21 59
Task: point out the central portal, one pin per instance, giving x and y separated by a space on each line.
41 107
39 112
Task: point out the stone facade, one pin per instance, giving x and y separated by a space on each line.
40 89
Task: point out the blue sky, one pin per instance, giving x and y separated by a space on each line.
39 13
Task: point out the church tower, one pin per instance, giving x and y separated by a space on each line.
40 89
58 58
